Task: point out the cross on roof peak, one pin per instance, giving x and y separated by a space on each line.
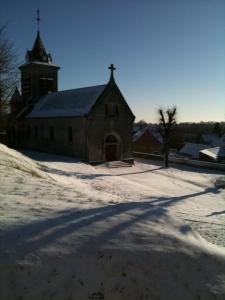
38 19
112 69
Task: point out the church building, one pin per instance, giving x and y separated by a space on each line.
93 123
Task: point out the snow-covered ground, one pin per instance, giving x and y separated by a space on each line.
69 230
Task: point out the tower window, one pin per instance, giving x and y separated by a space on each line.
51 133
26 86
46 85
70 134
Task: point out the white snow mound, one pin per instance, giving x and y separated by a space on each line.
93 233
14 159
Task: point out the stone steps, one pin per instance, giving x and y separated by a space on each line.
118 164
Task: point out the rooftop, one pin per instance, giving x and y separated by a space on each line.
68 103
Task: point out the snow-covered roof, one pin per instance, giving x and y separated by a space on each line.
215 153
35 62
193 149
69 103
138 133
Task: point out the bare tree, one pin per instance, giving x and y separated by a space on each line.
8 74
167 122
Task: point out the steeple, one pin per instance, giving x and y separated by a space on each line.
38 52
38 75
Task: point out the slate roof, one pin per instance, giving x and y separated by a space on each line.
68 103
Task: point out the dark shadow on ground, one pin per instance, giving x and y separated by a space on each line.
181 167
216 213
98 175
89 176
31 237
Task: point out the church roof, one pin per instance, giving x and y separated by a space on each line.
68 103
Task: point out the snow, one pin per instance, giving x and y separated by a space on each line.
85 232
68 103
215 153
193 149
14 159
36 62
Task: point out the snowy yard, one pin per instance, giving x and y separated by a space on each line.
69 230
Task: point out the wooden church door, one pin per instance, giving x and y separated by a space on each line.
111 148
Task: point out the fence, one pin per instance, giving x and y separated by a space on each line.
184 161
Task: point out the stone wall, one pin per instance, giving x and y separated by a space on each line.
110 115
53 135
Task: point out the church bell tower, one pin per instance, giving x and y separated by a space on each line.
39 75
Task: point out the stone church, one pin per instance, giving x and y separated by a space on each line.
93 123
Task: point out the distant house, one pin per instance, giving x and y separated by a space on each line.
147 140
192 150
212 139
215 154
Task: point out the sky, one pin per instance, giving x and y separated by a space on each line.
166 52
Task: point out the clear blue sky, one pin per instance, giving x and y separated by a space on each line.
167 52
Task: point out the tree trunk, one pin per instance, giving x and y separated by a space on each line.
166 155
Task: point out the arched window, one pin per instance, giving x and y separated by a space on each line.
28 132
70 134
111 139
51 133
35 132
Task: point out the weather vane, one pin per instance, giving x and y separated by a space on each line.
38 18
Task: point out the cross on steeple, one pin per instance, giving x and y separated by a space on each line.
112 69
38 19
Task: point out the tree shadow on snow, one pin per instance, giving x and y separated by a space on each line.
28 238
89 176
216 213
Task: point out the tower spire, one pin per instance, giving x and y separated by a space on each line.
38 52
38 19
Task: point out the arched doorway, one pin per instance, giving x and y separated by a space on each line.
112 148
